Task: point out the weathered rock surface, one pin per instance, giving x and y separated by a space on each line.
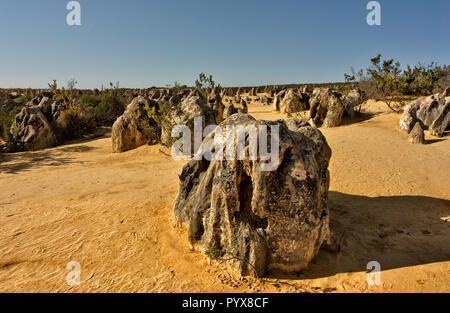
326 107
229 110
417 135
215 102
431 112
293 102
41 124
281 94
265 100
237 98
135 128
276 104
244 107
176 98
194 105
32 131
260 220
442 122
353 99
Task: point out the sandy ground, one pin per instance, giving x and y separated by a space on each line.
112 214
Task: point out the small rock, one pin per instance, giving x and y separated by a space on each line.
417 135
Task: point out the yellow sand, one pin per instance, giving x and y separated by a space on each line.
112 214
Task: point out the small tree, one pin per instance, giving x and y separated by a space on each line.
380 81
205 83
444 81
177 87
53 85
111 105
384 80
72 83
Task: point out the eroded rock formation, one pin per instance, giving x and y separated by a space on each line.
215 102
194 105
417 135
135 128
259 220
432 112
326 108
32 131
294 102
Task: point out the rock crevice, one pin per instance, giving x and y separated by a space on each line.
258 220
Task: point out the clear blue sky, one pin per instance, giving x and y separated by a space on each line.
142 43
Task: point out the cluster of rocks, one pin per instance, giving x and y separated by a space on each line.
137 126
259 220
42 123
427 113
326 106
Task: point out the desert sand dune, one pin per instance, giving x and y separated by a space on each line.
112 213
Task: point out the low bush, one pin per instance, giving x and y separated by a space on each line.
6 121
80 121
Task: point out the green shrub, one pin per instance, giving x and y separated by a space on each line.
110 107
6 121
23 99
213 252
90 101
161 114
80 121
385 79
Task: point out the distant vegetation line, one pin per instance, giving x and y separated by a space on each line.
85 109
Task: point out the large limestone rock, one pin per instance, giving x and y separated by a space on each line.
215 102
244 107
431 112
237 98
326 108
229 110
156 94
192 106
442 122
257 220
135 128
276 104
427 113
41 124
32 131
265 100
176 98
281 94
293 102
353 99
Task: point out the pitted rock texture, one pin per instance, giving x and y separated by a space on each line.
258 220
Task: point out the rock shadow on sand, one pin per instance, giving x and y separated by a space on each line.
15 163
396 231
